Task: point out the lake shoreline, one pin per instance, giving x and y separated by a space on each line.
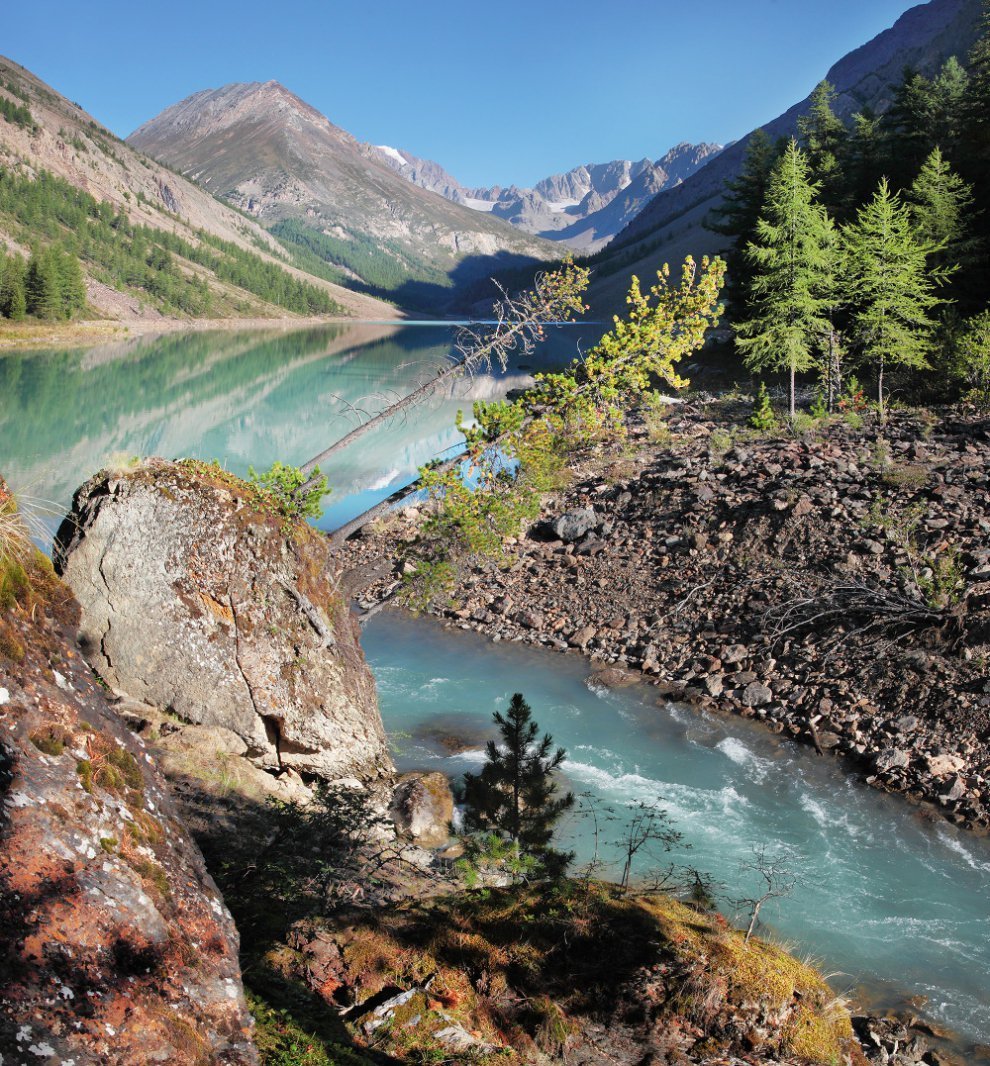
32 336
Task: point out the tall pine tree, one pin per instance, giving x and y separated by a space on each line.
791 259
891 288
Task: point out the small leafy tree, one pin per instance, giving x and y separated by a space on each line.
293 493
515 795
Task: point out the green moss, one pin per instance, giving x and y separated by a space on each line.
85 770
292 1028
52 740
150 872
127 768
109 844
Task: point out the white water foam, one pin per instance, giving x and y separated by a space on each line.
712 809
734 749
953 844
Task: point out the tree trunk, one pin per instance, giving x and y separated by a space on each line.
880 389
753 919
792 392
390 412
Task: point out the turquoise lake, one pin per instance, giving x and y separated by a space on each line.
893 904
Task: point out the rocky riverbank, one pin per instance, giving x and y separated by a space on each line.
834 584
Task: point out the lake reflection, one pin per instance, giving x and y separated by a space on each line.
245 399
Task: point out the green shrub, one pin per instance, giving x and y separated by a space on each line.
285 487
763 417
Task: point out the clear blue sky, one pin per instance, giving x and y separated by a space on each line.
498 92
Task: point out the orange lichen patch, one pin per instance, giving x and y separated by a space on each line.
215 607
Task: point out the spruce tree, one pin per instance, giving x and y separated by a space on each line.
791 262
516 794
891 288
823 136
739 214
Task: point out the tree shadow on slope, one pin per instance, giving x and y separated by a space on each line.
277 863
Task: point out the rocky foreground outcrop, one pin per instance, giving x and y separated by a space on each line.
200 598
115 946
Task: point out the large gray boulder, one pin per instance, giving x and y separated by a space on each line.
199 598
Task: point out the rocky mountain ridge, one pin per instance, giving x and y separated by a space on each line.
263 149
66 141
582 208
671 225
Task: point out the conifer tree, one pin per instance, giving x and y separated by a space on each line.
975 165
739 213
891 287
866 160
791 258
940 203
43 286
823 137
15 294
947 103
516 794
907 128
976 104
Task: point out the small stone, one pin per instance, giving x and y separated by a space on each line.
756 694
583 637
955 791
573 525
943 765
892 759
713 685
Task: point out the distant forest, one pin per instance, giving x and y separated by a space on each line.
67 228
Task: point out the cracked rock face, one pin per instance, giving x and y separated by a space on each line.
115 945
196 598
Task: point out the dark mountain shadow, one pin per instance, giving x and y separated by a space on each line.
467 284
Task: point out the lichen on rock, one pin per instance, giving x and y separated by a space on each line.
202 599
115 945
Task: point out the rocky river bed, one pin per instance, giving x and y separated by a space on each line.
833 584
